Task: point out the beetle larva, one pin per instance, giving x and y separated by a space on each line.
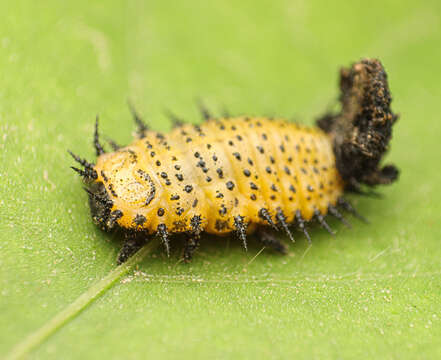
244 174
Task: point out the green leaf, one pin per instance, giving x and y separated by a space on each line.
373 291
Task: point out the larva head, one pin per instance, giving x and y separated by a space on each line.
120 192
362 131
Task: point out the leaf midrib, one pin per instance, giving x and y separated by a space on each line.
40 335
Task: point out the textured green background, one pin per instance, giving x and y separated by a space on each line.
374 291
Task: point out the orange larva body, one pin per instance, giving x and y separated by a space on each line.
241 174
219 170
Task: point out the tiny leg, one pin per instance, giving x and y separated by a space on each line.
190 247
268 239
130 247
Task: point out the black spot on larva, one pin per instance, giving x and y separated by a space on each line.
315 170
237 156
238 137
273 187
230 185
220 173
268 170
208 146
152 154
174 158
309 188
246 172
250 162
292 188
133 155
201 163
139 219
179 211
230 143
264 137
282 148
161 212
222 210
253 197
113 218
214 158
175 197
273 197
260 149
233 128
303 170
188 188
180 177
219 195
290 159
287 171
272 160
253 186
178 167
195 203
208 179
158 163
189 139
167 182
164 175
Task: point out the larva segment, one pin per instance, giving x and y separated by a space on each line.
259 134
237 169
282 159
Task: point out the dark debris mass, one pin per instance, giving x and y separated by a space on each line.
362 130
